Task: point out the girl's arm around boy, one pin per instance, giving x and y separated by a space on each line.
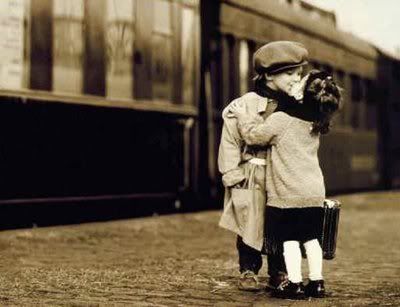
255 132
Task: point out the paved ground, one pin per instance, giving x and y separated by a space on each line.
186 260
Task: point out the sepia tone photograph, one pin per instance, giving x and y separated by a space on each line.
199 153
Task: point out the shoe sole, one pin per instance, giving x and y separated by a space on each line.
316 295
291 297
321 294
255 289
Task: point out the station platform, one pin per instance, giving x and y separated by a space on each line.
187 260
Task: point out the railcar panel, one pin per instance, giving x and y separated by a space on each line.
349 160
107 106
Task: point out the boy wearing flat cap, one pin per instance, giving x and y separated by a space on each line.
278 66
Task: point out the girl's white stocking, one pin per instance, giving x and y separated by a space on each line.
292 255
314 257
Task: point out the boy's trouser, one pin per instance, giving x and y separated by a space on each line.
251 259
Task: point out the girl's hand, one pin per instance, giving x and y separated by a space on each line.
297 90
237 109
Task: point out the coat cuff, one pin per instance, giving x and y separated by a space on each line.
233 177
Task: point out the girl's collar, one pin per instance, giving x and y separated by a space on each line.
288 104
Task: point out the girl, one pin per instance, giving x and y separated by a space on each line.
294 180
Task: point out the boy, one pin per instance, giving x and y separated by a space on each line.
243 167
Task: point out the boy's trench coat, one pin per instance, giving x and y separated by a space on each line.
244 206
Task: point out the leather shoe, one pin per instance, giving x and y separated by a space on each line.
315 288
248 281
290 290
275 280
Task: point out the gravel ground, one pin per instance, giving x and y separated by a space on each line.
186 260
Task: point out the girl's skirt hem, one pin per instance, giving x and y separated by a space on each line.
291 224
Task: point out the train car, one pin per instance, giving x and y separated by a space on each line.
108 100
349 154
98 100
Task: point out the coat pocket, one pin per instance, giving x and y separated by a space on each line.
241 199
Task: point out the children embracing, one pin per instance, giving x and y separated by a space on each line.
279 125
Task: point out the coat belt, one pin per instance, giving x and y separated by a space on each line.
258 161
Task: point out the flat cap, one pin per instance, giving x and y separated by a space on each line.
278 56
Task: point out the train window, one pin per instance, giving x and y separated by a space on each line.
356 96
120 37
68 45
244 67
217 75
162 75
371 108
339 79
370 92
188 55
356 91
252 48
230 69
12 44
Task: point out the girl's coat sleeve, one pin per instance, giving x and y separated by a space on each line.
268 132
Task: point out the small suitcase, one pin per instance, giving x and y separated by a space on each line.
330 228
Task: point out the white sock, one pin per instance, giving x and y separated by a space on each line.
314 257
292 255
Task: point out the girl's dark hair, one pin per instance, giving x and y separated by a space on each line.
323 96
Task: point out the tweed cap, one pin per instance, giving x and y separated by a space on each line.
278 56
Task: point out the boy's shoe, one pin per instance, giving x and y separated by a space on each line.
315 288
290 290
248 281
275 280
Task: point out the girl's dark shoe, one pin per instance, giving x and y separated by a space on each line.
315 288
290 290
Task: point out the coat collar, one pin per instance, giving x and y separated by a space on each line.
262 104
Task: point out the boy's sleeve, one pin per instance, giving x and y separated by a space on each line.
255 133
229 153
